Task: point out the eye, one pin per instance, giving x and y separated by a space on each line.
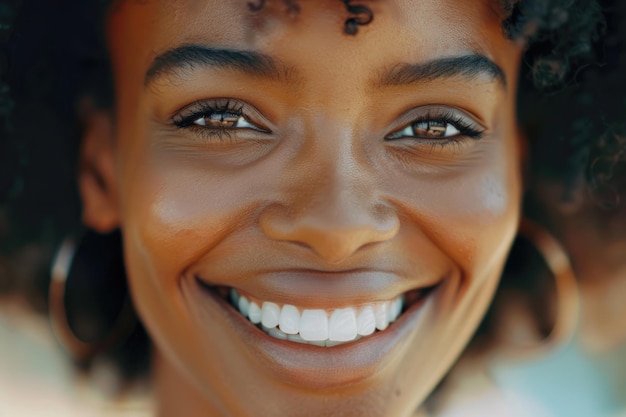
436 129
224 120
446 126
214 116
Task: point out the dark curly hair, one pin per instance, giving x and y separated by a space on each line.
572 105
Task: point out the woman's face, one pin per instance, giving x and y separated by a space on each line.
321 175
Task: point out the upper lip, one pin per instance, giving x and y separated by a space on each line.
323 289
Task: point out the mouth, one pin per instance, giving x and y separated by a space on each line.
319 327
320 342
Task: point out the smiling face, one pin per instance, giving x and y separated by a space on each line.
335 182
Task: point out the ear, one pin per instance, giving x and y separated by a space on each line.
97 179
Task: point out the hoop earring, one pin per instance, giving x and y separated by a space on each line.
85 264
567 293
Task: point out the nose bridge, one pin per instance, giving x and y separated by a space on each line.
335 208
337 193
341 171
336 200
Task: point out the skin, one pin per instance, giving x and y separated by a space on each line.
318 210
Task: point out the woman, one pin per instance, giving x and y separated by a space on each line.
316 199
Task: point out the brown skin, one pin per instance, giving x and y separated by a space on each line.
319 210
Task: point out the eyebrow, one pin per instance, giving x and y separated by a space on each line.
175 60
467 66
257 64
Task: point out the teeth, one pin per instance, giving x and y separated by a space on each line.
244 305
271 314
289 320
314 325
254 313
380 314
366 322
318 327
296 338
342 325
234 296
331 343
397 307
274 332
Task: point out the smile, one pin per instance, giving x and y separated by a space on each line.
325 341
326 328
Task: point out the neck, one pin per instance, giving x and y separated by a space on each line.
176 394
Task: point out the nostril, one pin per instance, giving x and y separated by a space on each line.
332 235
334 246
276 222
334 215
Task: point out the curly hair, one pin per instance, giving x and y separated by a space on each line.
572 105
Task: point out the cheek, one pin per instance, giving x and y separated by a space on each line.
176 212
471 216
483 218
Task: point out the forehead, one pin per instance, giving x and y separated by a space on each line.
402 30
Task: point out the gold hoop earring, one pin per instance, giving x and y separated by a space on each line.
567 293
63 268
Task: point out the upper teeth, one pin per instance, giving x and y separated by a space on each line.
318 327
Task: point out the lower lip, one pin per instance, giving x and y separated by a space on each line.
314 366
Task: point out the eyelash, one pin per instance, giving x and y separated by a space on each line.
465 128
205 109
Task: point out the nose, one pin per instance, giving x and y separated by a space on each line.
334 215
